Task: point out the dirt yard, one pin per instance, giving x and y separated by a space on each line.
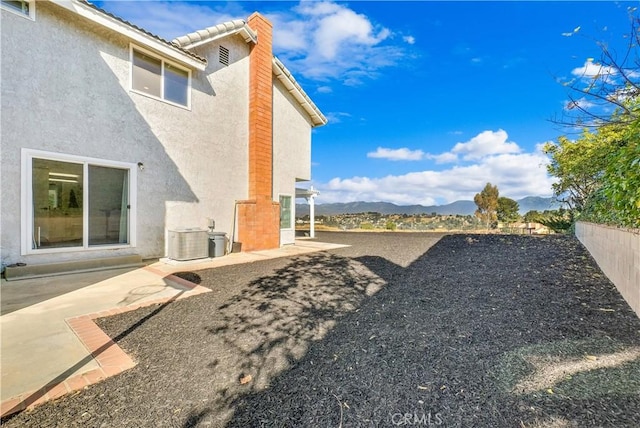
397 330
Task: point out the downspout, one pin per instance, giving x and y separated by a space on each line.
233 227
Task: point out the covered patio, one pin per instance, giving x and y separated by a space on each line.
309 195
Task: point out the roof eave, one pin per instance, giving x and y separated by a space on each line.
128 31
287 79
247 34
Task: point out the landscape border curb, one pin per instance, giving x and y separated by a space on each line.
111 359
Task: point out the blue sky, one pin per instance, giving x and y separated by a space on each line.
426 101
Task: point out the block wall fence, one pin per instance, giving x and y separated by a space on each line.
617 252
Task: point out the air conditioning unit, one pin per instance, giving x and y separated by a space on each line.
188 244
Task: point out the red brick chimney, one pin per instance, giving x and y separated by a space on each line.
259 216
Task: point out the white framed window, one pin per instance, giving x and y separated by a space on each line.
153 76
26 8
286 220
72 203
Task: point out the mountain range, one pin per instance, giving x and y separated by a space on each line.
525 204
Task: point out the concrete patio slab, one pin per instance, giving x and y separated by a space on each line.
38 345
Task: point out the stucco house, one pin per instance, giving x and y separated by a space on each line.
113 137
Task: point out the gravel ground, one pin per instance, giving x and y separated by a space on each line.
474 331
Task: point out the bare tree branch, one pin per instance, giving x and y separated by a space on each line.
615 84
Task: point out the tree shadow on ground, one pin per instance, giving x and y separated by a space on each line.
384 335
437 344
270 325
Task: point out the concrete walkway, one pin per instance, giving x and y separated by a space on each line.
53 347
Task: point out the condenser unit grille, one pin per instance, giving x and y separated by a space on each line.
188 244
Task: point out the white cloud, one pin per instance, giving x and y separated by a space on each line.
447 157
592 69
575 30
329 41
170 20
486 143
632 74
324 89
336 116
318 40
288 35
319 8
582 103
516 174
396 154
409 39
344 26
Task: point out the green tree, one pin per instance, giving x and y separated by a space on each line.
507 211
617 200
578 165
487 202
560 221
599 173
532 216
390 225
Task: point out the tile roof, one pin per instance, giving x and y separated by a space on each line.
284 75
240 26
217 31
142 30
184 43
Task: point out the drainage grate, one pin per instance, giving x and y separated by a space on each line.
224 55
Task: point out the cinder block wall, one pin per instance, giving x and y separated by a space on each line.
617 252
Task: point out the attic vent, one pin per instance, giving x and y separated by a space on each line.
224 55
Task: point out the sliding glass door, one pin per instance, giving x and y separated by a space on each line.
57 203
108 204
78 204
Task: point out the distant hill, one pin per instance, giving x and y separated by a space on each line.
537 203
458 207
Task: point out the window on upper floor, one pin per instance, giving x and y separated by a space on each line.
21 7
154 76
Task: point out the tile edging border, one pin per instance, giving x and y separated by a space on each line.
112 360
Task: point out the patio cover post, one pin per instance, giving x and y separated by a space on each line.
310 196
312 213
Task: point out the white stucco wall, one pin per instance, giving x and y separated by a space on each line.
65 89
291 149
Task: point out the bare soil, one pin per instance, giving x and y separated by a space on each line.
474 331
